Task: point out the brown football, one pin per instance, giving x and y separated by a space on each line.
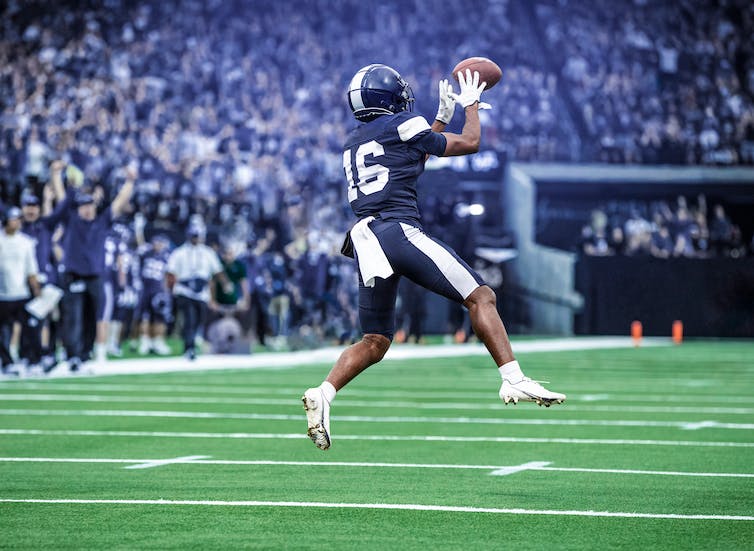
489 71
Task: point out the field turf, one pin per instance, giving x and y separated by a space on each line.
654 449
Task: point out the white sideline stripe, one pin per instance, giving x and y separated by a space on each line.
392 506
354 403
297 436
499 469
286 360
687 425
150 463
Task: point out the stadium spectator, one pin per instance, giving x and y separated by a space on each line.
721 231
202 112
594 236
84 260
233 306
190 270
18 283
125 288
237 299
155 301
40 228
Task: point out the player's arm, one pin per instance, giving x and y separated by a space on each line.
446 107
170 270
119 204
32 269
471 135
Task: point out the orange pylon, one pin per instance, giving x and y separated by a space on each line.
677 332
636 332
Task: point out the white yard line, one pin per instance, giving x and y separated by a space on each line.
283 402
686 425
388 506
513 469
496 469
151 463
254 389
393 438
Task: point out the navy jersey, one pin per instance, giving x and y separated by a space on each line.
153 268
382 160
114 248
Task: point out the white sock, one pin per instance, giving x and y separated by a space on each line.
100 352
114 335
328 390
511 371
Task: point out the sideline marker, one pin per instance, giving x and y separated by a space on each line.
677 332
636 332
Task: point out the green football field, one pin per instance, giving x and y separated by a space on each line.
654 449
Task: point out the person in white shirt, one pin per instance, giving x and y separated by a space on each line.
18 281
190 269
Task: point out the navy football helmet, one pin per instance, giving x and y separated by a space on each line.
378 90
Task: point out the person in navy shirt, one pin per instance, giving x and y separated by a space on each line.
84 266
39 224
382 159
156 304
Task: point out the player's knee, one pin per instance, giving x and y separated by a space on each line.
481 296
377 344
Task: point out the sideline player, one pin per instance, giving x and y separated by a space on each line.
382 159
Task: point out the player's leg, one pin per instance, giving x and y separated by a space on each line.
356 358
72 310
6 328
377 317
145 341
487 324
103 295
432 264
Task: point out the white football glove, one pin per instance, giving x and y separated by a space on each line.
471 90
447 102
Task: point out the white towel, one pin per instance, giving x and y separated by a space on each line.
45 302
372 260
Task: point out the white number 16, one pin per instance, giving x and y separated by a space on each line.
369 179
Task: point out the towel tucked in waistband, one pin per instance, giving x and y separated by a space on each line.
372 260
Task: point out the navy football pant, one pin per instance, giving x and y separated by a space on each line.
82 300
30 349
194 314
424 260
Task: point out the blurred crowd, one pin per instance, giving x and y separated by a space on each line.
657 82
663 229
233 115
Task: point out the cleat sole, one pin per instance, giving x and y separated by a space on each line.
317 433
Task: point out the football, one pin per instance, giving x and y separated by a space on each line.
489 71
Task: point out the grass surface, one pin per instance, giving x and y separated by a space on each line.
419 432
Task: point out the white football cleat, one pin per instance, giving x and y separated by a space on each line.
145 345
318 417
527 390
160 347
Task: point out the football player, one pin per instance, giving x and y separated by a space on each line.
382 159
156 305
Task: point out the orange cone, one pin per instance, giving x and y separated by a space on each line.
677 332
636 332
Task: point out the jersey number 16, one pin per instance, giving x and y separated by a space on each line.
368 179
